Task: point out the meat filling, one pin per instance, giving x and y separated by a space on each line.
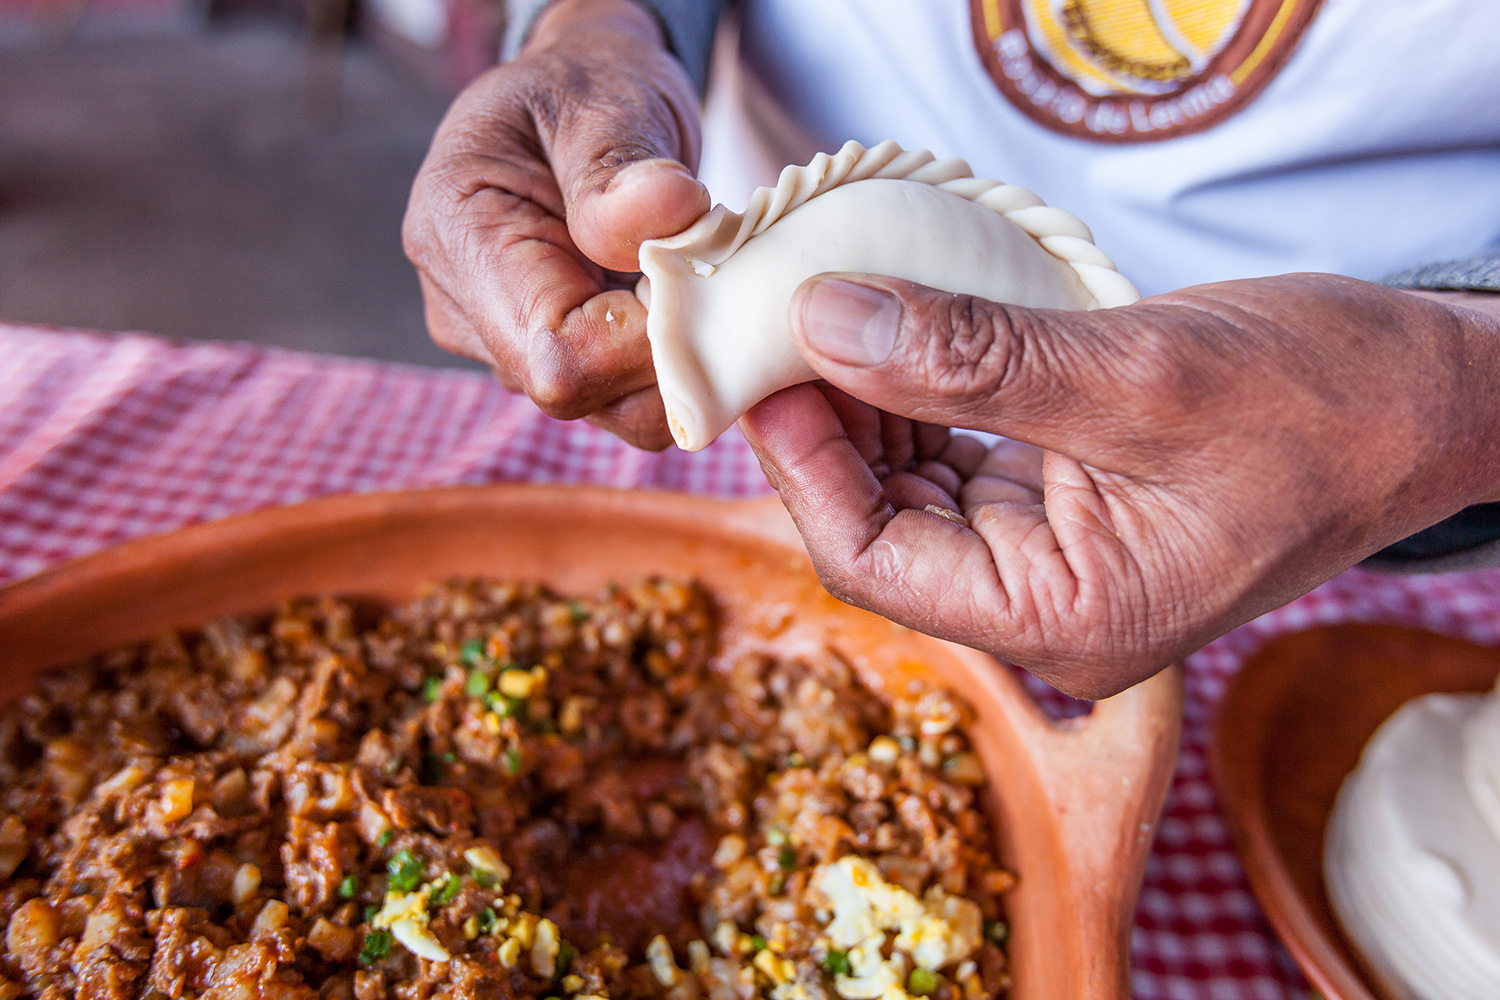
491 792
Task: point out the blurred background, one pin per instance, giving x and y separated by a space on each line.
225 169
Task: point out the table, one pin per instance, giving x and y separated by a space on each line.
109 437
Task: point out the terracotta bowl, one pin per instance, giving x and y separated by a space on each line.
1075 803
1290 729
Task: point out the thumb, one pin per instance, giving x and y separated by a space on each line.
615 210
617 117
624 153
950 359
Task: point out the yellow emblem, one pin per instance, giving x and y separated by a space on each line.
1132 70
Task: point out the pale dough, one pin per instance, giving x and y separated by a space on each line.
1411 865
717 294
1481 737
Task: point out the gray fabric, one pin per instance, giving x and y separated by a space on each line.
1481 557
1480 273
690 27
688 24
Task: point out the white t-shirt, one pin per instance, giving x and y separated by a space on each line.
1373 146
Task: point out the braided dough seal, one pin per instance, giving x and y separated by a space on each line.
717 294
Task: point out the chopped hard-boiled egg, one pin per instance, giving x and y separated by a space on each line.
951 929
872 977
932 933
405 915
486 859
663 964
545 945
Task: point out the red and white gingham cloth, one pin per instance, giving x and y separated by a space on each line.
105 438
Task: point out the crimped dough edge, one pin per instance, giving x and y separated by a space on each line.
716 236
719 234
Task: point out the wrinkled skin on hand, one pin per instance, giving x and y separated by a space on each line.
1175 467
526 217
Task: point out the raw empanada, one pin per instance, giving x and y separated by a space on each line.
718 293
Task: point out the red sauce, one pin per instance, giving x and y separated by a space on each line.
633 891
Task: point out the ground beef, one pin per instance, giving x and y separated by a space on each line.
491 792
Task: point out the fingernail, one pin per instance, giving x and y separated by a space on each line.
642 170
849 323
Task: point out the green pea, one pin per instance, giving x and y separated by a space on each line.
921 982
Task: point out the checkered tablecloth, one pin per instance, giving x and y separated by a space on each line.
105 438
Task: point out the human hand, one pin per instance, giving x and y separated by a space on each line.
542 181
1177 466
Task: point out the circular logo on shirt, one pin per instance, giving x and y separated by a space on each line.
1135 70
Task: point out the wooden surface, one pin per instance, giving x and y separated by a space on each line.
1290 729
1074 803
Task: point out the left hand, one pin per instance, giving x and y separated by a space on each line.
1176 467
526 218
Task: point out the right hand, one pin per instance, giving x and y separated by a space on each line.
527 215
1172 468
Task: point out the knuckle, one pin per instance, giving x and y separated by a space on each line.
973 356
974 335
864 578
555 393
418 237
552 376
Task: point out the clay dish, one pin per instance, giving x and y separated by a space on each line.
1075 803
1290 728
